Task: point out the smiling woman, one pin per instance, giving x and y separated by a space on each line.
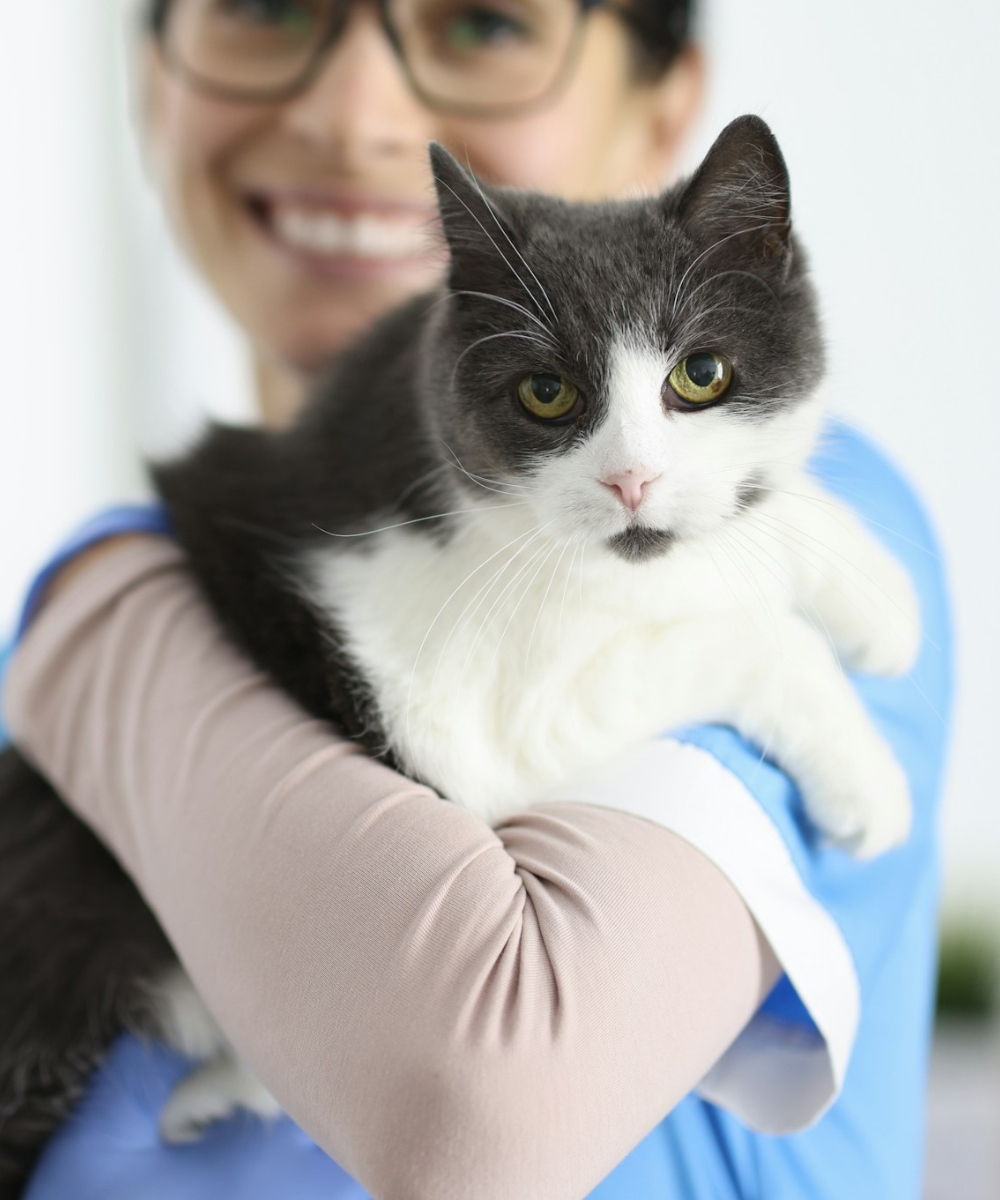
297 175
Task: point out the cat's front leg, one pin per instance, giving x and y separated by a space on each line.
845 581
218 1087
795 701
212 1092
773 677
770 675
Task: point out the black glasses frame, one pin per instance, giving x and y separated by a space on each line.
160 27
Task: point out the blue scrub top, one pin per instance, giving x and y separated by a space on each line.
868 1145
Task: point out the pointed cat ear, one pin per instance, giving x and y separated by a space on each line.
741 193
478 237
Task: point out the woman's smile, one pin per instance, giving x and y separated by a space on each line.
346 232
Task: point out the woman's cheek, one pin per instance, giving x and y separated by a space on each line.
571 149
193 139
527 156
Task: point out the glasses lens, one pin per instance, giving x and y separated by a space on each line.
485 54
248 46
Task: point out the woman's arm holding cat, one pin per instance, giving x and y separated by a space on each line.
449 1010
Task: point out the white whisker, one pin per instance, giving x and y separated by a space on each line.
675 298
525 312
524 591
501 486
541 607
504 592
492 241
441 610
492 337
418 520
499 225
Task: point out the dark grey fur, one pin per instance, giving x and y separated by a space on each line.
711 265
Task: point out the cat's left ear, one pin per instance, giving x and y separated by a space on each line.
740 196
474 226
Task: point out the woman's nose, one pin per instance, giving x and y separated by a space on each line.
360 104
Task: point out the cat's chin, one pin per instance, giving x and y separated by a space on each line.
639 543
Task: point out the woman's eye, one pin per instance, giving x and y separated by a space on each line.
701 378
289 14
547 396
471 28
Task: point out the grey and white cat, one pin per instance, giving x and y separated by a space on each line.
556 507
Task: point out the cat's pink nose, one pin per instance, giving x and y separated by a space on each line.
631 486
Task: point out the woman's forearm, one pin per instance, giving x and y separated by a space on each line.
449 1010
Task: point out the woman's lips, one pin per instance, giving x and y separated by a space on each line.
362 235
348 234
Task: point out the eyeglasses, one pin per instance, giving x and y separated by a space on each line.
468 57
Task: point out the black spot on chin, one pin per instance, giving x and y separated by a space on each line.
639 542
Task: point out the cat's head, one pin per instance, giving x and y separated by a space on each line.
635 371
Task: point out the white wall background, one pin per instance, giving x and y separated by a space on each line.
888 113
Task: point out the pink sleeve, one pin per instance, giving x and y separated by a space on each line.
449 1010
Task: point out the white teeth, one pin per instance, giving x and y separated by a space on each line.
363 236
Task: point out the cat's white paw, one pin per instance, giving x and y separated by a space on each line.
863 804
211 1093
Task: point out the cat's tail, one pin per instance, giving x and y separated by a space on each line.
78 949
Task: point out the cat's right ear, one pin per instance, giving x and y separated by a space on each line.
740 196
473 225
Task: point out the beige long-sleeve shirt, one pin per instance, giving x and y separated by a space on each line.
449 1010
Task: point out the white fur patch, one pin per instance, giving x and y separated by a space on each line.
516 653
700 459
635 435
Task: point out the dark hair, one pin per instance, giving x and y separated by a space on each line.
660 28
156 14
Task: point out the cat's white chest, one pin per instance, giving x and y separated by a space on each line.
503 661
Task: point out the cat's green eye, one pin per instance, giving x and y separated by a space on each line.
547 396
701 378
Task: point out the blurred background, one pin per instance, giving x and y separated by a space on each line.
887 112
